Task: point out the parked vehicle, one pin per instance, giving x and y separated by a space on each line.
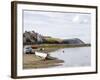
28 50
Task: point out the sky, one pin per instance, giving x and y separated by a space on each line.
63 25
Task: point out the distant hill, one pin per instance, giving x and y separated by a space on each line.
32 37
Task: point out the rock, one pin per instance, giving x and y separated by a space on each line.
31 37
73 41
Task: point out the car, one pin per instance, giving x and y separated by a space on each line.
28 50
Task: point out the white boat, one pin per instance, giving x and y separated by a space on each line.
42 55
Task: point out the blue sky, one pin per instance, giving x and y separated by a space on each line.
58 24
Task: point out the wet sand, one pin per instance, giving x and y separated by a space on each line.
32 61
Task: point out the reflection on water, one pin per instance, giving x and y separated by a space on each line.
72 57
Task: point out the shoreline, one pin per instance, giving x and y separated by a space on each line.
58 45
32 61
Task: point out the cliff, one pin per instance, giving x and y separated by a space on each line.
31 37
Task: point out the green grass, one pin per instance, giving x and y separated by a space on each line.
53 40
62 45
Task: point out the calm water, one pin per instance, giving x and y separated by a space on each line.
79 56
72 57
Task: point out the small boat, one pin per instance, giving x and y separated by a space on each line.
42 55
34 46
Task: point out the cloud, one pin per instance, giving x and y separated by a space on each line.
57 24
82 18
76 18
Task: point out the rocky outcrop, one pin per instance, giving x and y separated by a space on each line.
28 38
31 37
73 41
